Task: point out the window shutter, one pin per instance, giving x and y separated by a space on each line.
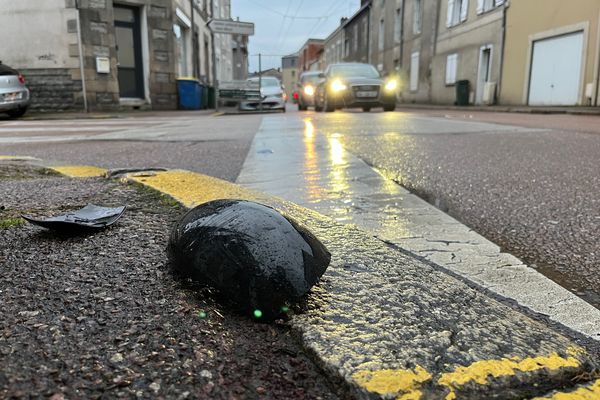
414 71
464 9
480 6
450 13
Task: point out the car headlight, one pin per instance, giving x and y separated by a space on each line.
309 90
391 85
338 86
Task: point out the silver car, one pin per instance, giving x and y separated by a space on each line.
14 95
272 94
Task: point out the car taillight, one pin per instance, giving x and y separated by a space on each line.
21 79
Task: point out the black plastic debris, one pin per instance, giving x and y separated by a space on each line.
252 254
90 217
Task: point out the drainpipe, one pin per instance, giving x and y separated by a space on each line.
502 49
369 58
597 77
402 35
81 67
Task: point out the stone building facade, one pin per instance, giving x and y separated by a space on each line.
309 53
356 35
289 73
108 54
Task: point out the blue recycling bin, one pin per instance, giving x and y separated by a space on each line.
190 94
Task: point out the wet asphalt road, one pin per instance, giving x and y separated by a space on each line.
533 190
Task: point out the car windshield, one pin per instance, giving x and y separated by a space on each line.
6 70
267 82
354 70
309 79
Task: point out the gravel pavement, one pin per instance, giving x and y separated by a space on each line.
101 316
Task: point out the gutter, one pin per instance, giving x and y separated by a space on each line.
81 66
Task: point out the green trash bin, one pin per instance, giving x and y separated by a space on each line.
211 98
463 90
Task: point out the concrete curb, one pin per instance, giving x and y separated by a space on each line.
503 109
360 335
388 325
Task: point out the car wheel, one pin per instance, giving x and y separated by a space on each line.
318 108
366 109
301 107
389 107
328 107
18 113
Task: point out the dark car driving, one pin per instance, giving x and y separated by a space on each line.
355 85
306 89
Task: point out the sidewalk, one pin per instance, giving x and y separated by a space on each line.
504 109
107 317
74 115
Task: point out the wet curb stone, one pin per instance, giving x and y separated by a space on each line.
392 326
100 316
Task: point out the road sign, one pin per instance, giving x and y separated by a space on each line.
231 27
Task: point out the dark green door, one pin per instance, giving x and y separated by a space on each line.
129 51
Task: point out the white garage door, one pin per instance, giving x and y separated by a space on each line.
556 70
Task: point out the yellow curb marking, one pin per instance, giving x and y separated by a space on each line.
407 384
591 392
19 158
79 171
191 188
404 383
480 371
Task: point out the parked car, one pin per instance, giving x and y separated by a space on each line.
14 95
348 85
306 89
272 93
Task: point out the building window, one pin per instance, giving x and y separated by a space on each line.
451 64
457 12
398 26
417 17
365 32
355 38
381 34
414 71
487 5
346 47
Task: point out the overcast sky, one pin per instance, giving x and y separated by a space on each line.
282 26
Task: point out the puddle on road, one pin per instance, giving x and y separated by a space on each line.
564 280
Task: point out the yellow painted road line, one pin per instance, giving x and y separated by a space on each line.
589 392
79 171
405 384
192 189
480 371
18 158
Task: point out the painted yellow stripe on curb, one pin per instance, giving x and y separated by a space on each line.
191 188
480 371
402 383
79 171
591 392
18 158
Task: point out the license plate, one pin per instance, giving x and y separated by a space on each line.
370 93
13 96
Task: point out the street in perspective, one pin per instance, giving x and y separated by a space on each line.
353 199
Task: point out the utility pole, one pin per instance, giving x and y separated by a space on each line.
214 59
260 102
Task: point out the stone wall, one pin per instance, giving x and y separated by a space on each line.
53 89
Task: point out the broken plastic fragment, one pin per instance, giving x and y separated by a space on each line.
90 217
252 254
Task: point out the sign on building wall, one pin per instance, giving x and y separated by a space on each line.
231 27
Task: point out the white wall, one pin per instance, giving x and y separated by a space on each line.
38 34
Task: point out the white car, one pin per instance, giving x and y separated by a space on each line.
271 91
14 95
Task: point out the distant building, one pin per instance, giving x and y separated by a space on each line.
308 53
356 35
131 52
551 53
274 72
289 73
469 47
333 45
240 57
